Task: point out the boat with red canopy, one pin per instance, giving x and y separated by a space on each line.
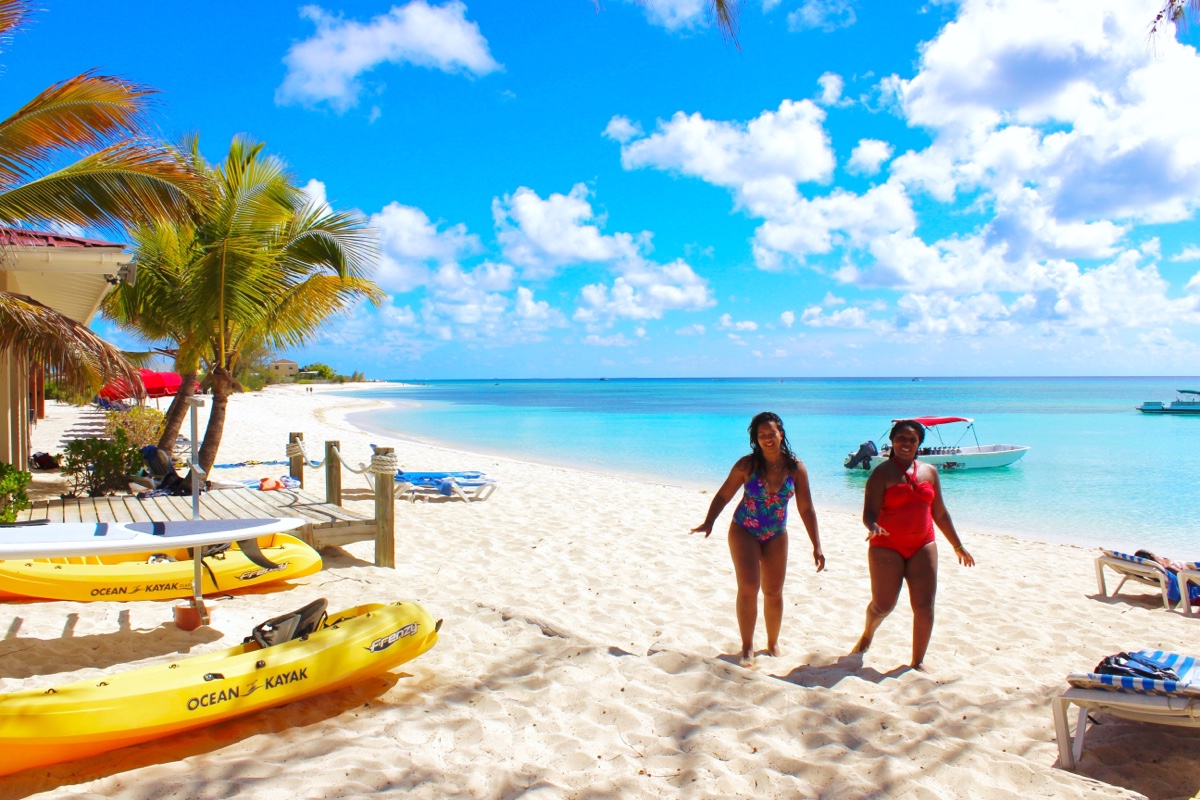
942 454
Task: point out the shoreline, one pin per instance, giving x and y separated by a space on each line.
354 418
589 646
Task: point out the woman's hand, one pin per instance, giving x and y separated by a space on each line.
964 558
818 558
876 530
705 526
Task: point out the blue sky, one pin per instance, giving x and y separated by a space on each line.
571 189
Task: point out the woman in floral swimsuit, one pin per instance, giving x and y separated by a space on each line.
758 540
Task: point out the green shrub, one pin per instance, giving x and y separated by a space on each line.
12 492
98 467
253 381
142 425
65 394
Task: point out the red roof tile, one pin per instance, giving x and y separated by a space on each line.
18 236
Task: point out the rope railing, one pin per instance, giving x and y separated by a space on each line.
296 450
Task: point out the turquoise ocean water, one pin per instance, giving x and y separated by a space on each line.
1098 472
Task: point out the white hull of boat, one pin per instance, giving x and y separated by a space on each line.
973 457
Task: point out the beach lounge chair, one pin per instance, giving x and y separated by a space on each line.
1189 579
1164 701
468 486
1143 570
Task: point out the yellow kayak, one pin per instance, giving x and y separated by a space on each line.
77 720
164 575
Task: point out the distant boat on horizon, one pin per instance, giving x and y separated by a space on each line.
1187 403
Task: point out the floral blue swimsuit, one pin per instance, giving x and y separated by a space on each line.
764 514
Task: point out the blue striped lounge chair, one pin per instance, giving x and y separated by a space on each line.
468 486
1141 699
1144 570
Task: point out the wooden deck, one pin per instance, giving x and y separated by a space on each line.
325 524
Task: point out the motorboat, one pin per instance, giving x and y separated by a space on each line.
1188 402
942 455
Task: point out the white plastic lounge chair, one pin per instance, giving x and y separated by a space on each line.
468 486
1142 699
1142 570
1188 578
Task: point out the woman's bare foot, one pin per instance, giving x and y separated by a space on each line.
773 650
747 658
864 644
919 666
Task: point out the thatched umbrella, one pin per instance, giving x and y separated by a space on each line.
40 334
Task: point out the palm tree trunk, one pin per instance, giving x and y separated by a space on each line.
177 412
222 387
214 431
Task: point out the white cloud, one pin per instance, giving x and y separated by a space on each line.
1062 100
691 330
411 242
788 318
597 340
842 218
314 191
327 67
621 129
828 15
543 235
644 291
1189 253
784 146
472 304
727 323
817 317
831 85
868 156
675 15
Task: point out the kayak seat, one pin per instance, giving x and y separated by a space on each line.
294 625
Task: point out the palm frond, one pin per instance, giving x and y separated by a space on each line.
725 12
13 14
340 242
87 112
124 183
41 334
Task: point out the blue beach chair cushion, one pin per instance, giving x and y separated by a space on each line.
1185 667
1172 579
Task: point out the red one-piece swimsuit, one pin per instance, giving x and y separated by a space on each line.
907 516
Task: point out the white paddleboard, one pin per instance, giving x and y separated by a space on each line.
60 539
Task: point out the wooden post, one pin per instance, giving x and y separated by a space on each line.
296 463
385 517
333 474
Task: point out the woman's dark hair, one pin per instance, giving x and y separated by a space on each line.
912 425
1145 554
757 462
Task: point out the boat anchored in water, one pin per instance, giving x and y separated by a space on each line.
941 455
1188 402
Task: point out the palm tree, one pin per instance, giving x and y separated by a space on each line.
153 310
258 266
117 177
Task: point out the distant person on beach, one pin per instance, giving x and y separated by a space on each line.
758 537
903 502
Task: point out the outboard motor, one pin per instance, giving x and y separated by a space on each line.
865 451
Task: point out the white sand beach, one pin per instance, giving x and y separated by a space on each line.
587 651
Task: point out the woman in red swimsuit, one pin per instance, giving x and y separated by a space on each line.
758 539
902 504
